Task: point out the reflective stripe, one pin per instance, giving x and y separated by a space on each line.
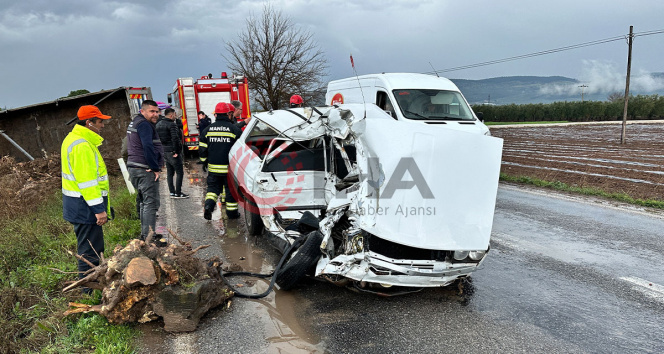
132 129
70 148
231 206
154 141
202 144
203 159
71 193
226 134
103 178
68 177
88 184
77 194
211 196
94 202
218 168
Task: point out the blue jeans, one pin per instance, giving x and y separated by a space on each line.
148 189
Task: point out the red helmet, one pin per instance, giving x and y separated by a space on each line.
231 108
296 99
221 107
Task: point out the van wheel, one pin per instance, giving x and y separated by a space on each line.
301 261
253 221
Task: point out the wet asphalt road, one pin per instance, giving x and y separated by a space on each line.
565 274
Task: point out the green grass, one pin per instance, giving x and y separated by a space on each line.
31 297
557 185
520 123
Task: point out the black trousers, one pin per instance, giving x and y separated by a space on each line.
88 250
215 184
174 168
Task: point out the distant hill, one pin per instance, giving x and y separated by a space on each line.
539 89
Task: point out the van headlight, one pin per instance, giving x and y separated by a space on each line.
460 255
476 255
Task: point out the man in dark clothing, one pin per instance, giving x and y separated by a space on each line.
203 121
145 159
215 143
236 114
171 140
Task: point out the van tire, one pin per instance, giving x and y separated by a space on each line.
301 262
253 221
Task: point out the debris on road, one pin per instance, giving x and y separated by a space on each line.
143 282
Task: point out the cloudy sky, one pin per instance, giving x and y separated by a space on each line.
49 48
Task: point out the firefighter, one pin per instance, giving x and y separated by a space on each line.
214 145
85 186
296 101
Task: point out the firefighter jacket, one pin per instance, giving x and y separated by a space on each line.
143 145
215 144
84 178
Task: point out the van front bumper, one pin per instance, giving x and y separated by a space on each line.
375 268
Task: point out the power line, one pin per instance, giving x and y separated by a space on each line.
545 52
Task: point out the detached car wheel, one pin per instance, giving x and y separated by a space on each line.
253 221
301 261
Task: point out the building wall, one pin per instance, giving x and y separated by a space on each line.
40 129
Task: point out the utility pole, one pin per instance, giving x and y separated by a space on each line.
582 87
629 67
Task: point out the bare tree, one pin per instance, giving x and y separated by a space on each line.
277 58
616 97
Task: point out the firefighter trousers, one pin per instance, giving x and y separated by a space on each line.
216 183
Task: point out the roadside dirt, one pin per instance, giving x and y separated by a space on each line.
589 156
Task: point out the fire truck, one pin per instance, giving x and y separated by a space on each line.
191 96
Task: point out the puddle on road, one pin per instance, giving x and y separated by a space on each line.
277 310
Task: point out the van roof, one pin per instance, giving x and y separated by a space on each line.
410 81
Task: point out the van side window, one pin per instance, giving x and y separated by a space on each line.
383 101
260 137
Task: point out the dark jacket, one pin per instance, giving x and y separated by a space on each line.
143 145
203 123
169 134
215 144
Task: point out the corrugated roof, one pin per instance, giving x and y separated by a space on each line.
64 99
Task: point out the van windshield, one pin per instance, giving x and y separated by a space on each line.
432 104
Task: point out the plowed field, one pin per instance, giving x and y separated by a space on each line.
588 156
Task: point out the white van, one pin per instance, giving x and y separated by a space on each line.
408 96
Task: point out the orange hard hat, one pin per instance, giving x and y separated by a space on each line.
221 107
296 99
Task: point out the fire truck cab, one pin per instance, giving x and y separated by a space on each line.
191 96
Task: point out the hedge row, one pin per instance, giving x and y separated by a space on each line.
639 107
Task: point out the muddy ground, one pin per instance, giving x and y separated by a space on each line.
588 156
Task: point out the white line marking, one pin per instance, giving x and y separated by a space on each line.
648 288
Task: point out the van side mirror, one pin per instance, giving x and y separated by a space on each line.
170 99
480 115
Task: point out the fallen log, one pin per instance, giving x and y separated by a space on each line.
143 282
